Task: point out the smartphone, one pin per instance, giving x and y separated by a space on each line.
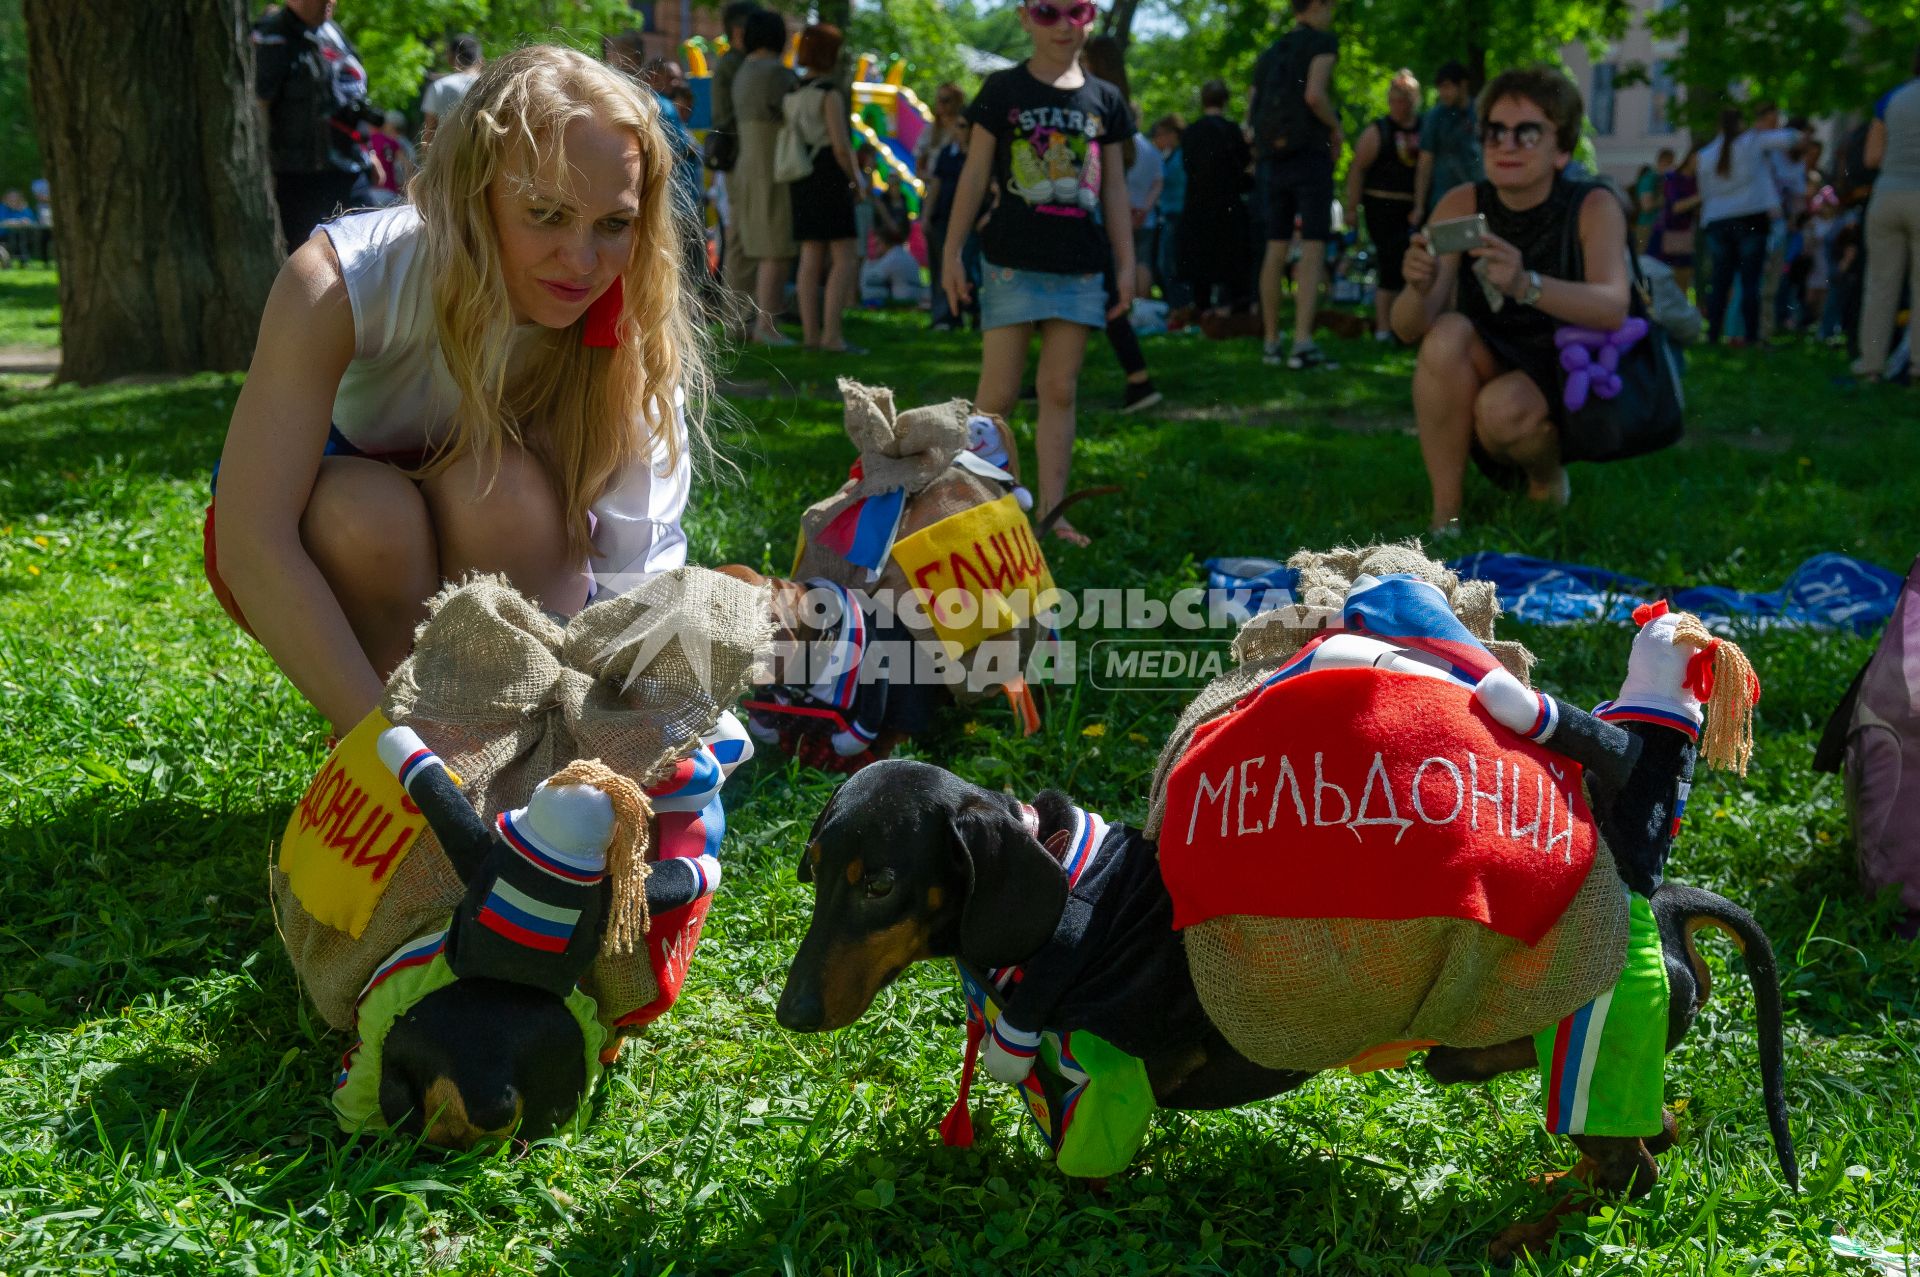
1457 234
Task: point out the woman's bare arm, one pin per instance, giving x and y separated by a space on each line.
267 471
1876 148
837 135
1365 151
1599 300
1430 279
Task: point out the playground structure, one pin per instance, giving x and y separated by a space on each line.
886 116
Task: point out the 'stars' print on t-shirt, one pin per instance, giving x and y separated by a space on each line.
1047 170
1056 160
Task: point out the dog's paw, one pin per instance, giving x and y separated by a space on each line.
1580 1174
1533 1237
610 1053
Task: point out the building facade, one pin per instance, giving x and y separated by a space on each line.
1630 122
665 25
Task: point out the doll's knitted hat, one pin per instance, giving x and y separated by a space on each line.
534 912
564 830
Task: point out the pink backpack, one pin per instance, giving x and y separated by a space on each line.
1873 739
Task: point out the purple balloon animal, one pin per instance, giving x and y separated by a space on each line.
1592 359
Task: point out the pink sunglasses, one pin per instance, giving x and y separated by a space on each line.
1045 15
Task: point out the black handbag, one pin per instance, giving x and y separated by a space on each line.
722 150
1649 412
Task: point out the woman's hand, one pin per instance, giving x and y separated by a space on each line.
1419 266
1504 269
1123 294
953 278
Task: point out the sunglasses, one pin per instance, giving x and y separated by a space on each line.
1525 136
1046 15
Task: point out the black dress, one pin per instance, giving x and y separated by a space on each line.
1522 336
823 199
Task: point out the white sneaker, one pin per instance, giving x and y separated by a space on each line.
1275 352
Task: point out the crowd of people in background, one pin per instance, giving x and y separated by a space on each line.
26 227
1050 207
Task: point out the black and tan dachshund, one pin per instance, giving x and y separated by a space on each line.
909 862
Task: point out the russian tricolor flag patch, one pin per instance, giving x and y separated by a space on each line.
520 918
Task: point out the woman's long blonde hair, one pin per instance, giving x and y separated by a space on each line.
575 407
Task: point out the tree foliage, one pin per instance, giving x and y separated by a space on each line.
19 148
1223 38
929 35
401 40
924 32
1815 57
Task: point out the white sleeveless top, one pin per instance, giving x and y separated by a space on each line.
397 395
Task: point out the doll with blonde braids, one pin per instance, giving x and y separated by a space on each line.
1686 693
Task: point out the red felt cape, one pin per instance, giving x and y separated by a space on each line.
1359 793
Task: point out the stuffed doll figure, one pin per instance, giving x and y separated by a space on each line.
989 439
481 1031
1685 690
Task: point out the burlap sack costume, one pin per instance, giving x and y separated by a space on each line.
915 451
508 697
1318 993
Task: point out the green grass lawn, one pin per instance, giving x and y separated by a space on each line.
162 1087
29 306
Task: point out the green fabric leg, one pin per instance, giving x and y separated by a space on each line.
1602 1069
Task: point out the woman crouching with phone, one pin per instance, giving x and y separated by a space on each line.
489 378
1487 385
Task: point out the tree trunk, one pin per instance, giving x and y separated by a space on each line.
1119 21
168 235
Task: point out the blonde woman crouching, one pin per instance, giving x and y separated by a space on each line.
501 375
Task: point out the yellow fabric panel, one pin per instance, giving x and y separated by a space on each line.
350 831
989 555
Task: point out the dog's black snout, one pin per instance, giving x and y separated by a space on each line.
495 1109
800 1010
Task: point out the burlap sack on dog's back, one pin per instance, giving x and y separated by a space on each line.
1292 993
1316 993
507 697
912 450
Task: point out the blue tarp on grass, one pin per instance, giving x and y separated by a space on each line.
1828 591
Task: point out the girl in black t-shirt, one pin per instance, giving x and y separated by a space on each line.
1048 136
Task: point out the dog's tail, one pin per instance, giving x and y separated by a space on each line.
1682 911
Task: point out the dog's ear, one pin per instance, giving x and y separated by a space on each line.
813 835
1015 890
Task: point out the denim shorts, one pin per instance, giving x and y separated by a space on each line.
1009 296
